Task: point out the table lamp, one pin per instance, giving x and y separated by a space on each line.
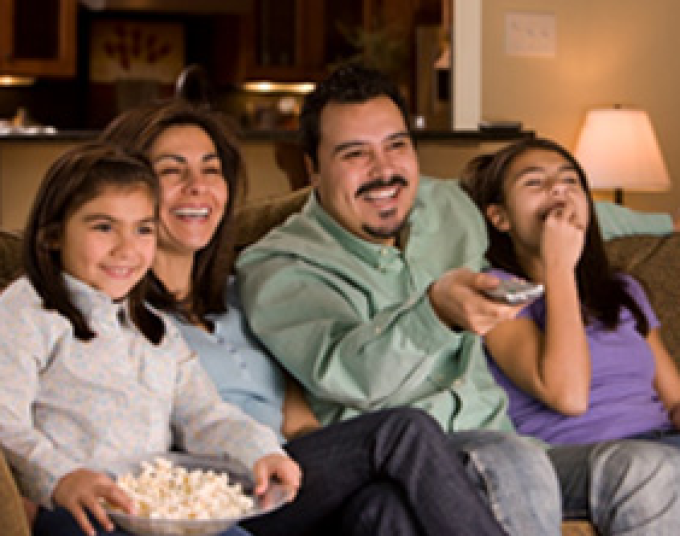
618 150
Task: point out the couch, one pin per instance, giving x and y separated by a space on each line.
653 260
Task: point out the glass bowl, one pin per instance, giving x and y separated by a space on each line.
276 496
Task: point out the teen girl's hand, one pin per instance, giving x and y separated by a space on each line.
563 237
277 467
81 492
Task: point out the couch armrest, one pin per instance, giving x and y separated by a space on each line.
12 516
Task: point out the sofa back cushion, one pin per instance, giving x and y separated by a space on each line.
655 262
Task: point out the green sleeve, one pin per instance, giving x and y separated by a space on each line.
617 221
322 330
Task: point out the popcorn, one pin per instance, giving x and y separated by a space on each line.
165 491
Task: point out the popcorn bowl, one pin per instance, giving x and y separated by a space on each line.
276 496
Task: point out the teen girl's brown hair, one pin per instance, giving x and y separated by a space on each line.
602 292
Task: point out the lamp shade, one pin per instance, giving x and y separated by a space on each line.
618 150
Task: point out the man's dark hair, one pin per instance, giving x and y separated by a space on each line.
350 84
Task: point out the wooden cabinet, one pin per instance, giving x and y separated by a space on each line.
38 37
292 40
301 40
298 40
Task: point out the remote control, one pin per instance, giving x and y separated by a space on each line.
515 291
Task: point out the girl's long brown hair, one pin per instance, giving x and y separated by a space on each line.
75 178
601 291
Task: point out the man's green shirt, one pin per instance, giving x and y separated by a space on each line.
351 320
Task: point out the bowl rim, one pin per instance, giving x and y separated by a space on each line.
275 497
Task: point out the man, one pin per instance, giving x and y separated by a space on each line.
371 298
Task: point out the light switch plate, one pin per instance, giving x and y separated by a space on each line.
530 34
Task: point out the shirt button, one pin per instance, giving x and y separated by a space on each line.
459 382
383 251
378 330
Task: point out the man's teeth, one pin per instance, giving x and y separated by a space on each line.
192 212
382 194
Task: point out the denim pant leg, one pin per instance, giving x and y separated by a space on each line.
629 487
517 478
404 447
378 508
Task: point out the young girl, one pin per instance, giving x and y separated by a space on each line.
584 363
89 374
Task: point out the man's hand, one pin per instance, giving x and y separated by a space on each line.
457 298
81 491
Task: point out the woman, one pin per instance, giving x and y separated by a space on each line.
386 473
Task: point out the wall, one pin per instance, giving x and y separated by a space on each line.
608 51
24 163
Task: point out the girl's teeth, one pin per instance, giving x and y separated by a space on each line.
120 272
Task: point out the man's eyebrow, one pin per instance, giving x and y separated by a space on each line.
399 135
355 143
347 145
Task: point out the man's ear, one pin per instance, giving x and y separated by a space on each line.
312 171
498 217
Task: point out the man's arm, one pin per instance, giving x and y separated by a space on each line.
617 221
335 339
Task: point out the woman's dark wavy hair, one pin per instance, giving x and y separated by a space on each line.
139 128
349 84
602 292
74 179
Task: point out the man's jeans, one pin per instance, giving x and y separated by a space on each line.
517 479
624 487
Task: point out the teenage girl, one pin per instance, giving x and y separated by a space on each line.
584 363
89 375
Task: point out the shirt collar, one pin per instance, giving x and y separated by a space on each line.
372 253
98 308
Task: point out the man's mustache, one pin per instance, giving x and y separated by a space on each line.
395 180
